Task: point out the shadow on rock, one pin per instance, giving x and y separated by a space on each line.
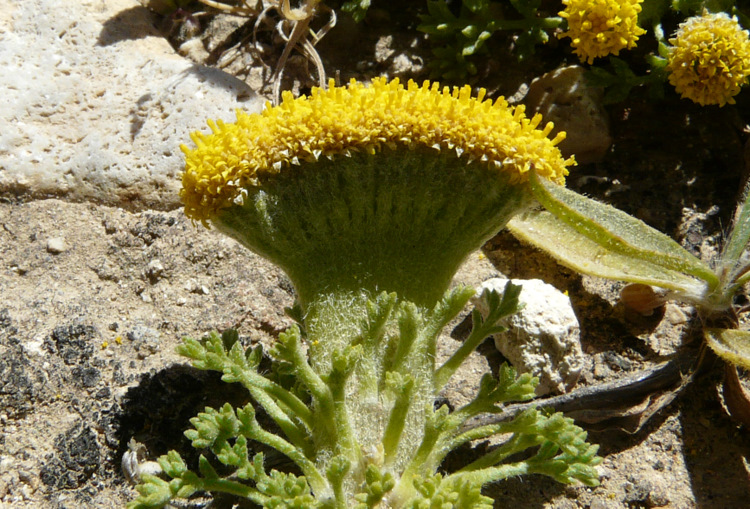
129 24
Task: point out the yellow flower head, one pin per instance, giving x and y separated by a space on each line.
601 27
363 118
709 60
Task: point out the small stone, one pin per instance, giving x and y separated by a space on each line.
637 490
543 338
193 286
56 245
194 50
86 376
154 270
145 340
658 497
601 371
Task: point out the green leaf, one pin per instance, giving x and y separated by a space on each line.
192 349
527 8
287 491
740 234
597 239
732 345
377 485
172 464
527 41
378 313
497 309
652 12
153 493
230 337
578 252
449 492
206 470
358 8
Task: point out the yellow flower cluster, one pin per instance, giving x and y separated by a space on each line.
709 60
601 27
369 118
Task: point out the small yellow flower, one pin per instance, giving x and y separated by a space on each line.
363 118
709 60
601 27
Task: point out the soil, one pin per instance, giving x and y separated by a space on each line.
95 299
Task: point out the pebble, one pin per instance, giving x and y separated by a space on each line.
543 338
145 340
56 245
154 270
193 286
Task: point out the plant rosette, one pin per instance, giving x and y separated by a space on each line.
369 196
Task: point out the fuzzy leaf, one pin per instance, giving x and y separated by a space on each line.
740 234
153 493
450 492
617 231
287 491
599 240
172 464
732 345
206 469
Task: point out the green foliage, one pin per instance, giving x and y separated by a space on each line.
618 79
340 471
437 492
460 33
459 39
357 8
377 485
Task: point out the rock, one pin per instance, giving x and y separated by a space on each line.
96 103
86 376
154 270
563 97
56 245
145 340
543 338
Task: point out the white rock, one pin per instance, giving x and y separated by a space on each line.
95 103
155 269
543 338
56 245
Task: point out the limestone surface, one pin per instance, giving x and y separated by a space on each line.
95 103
